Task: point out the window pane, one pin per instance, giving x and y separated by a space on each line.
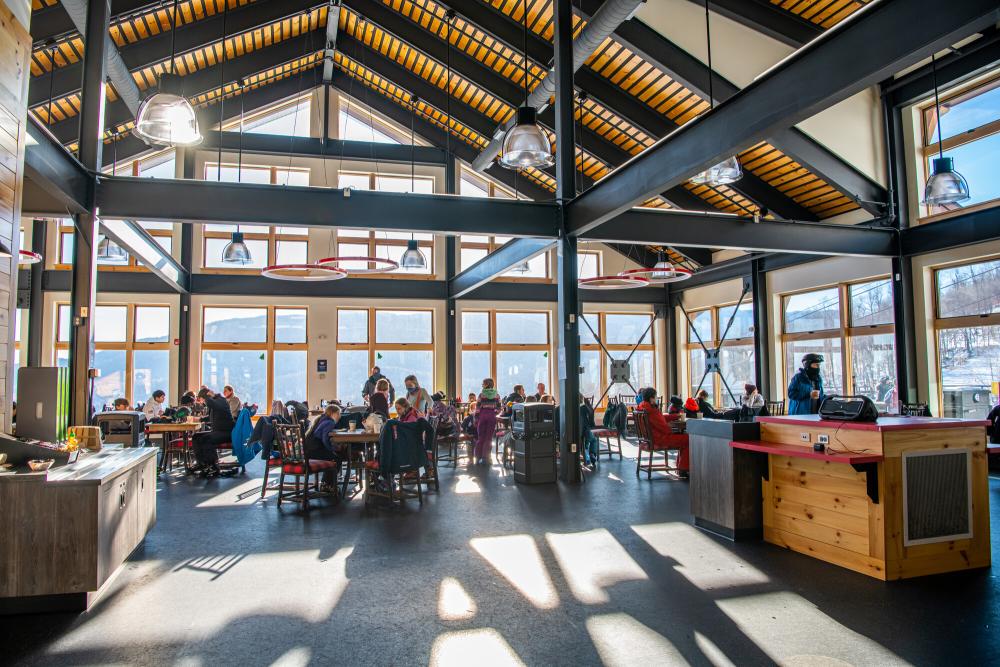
641 371
527 367
696 369
158 168
356 126
812 311
472 255
352 327
873 369
245 370
970 364
232 173
352 372
291 121
973 289
701 324
289 326
291 252
588 264
111 384
467 188
235 325
403 326
628 330
397 364
18 317
63 318
871 303
522 329
355 181
150 225
590 379
833 381
977 162
65 248
289 375
404 236
587 337
111 262
538 267
420 184
965 113
152 324
110 324
743 324
475 368
475 328
736 364
352 250
150 371
214 248
299 177
292 231
165 242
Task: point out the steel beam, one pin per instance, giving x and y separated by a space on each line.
36 312
60 175
276 144
137 241
213 202
654 227
497 263
761 328
767 19
905 330
568 360
962 230
866 50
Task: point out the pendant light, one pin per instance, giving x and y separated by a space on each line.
167 118
526 145
236 251
661 273
729 170
413 259
945 185
109 251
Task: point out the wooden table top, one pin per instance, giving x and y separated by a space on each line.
359 435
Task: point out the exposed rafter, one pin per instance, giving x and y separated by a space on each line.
767 19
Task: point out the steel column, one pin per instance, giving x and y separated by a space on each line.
451 307
761 349
184 332
84 288
906 345
36 312
670 322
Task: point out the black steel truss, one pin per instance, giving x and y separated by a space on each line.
767 19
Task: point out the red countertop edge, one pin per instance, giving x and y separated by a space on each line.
797 451
883 424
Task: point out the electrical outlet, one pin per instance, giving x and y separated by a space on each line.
804 437
823 439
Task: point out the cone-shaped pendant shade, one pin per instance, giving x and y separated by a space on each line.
413 258
726 172
167 118
109 251
526 145
945 186
236 251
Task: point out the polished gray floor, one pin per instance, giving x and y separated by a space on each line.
489 572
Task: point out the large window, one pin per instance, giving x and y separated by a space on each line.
970 129
730 327
474 248
260 351
132 350
400 342
162 233
967 321
620 333
851 325
290 119
512 347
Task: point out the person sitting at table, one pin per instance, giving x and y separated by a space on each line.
488 407
516 396
379 399
153 409
405 412
446 414
472 402
706 409
235 404
547 398
751 398
318 446
660 429
120 404
417 396
539 393
220 420
676 406
279 411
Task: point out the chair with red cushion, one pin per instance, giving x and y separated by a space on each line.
295 463
674 441
604 436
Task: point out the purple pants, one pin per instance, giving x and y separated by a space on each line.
486 427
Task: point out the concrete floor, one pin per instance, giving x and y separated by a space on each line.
487 572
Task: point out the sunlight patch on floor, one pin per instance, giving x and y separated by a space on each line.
592 561
622 640
296 657
241 495
705 563
793 631
517 559
192 603
484 647
454 603
467 484
712 652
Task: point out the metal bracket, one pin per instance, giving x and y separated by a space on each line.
871 477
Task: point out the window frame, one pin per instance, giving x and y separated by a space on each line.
491 246
129 345
133 266
691 343
492 346
605 365
371 346
269 345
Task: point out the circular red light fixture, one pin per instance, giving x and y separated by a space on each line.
26 257
613 282
303 272
659 275
382 264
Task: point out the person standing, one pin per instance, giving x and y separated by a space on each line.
235 404
417 396
488 406
153 408
805 391
221 424
370 385
591 445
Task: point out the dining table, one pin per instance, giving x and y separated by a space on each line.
345 440
168 430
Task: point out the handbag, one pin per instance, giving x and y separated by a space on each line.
848 409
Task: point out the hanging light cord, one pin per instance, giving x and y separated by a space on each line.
222 86
449 16
413 158
52 78
524 53
708 42
937 106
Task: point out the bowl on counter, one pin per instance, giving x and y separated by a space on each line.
40 465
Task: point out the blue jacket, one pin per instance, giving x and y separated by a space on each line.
799 401
243 450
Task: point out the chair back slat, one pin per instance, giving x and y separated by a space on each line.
775 408
289 437
642 427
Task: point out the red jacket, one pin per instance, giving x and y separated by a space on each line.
658 426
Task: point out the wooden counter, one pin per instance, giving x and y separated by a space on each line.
902 497
67 531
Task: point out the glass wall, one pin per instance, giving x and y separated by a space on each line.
512 347
132 350
967 323
399 341
260 351
624 336
731 329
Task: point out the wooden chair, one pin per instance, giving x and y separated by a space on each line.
430 474
397 483
775 408
295 463
604 436
645 442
